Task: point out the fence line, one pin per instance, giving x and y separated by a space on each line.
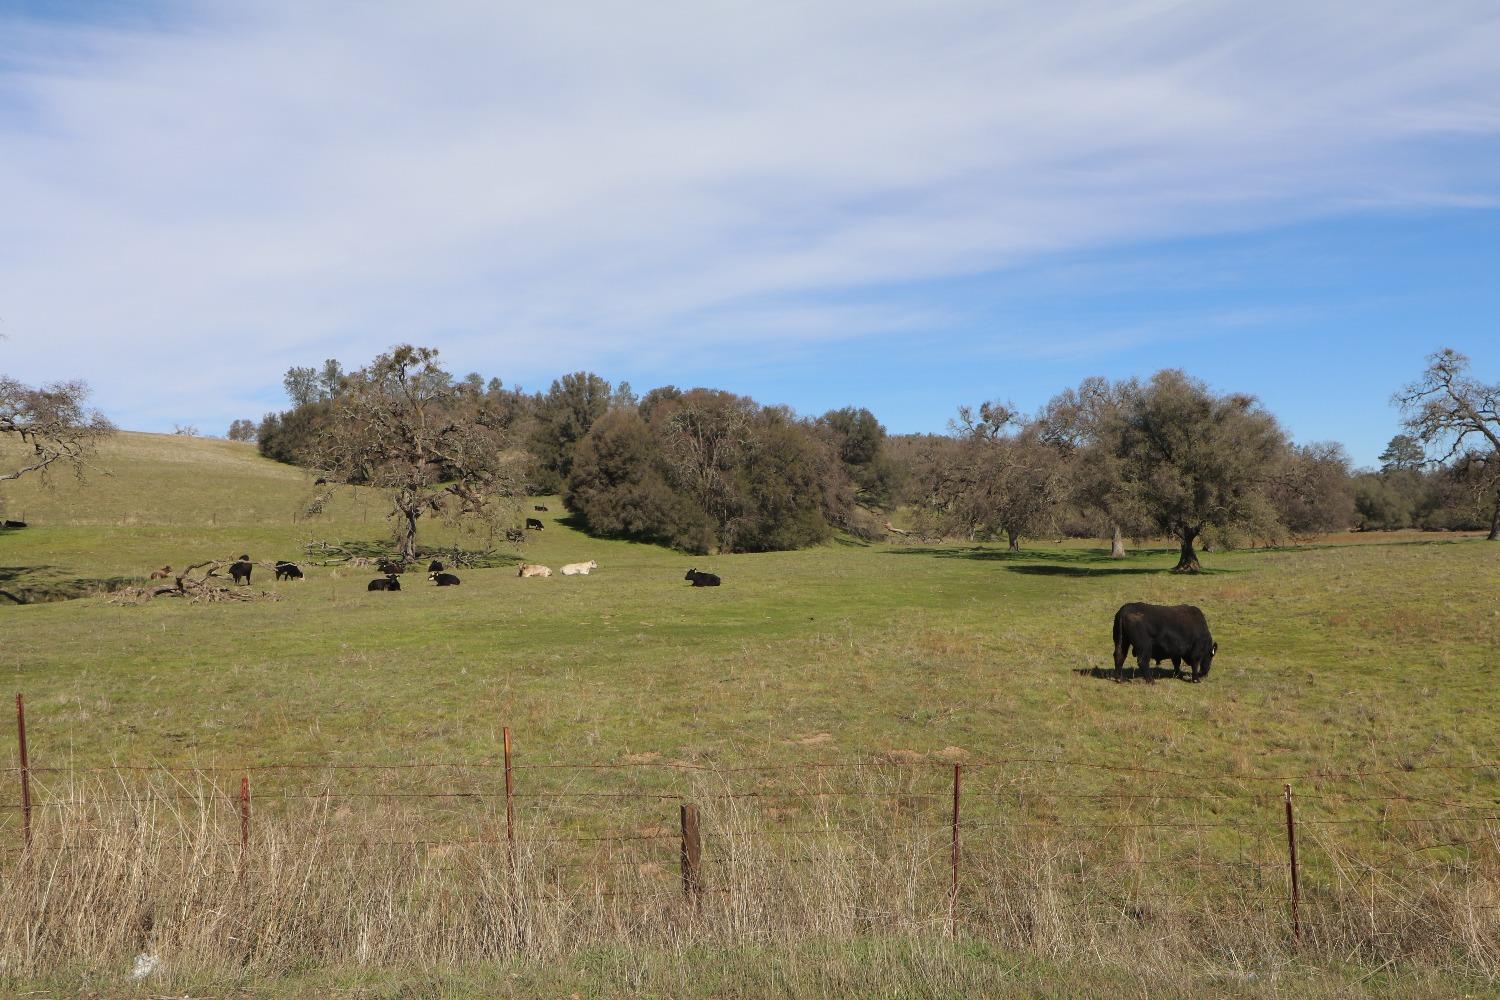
965 797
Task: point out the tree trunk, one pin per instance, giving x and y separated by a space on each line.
407 537
1494 534
1117 544
1187 562
1014 537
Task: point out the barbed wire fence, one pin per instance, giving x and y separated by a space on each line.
1322 848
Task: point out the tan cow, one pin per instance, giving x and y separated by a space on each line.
161 574
527 569
579 569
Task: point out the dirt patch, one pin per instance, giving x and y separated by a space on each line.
809 741
647 757
903 756
954 755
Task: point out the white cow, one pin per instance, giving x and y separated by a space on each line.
579 569
528 569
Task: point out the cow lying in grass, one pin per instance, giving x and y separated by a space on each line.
391 582
579 569
702 579
444 579
528 569
161 574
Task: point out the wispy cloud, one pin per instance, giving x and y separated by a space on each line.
190 204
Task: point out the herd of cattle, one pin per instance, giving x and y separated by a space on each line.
241 569
1153 633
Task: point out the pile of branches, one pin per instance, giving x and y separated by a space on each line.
199 584
325 553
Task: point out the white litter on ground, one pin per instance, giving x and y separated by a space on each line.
144 965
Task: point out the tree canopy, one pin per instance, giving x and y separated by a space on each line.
54 425
401 425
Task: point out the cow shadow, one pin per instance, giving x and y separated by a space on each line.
1154 673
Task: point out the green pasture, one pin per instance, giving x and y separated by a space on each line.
1356 655
1331 657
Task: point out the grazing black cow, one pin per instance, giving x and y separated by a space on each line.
541 507
1156 632
389 583
532 524
702 579
18 524
288 571
240 570
435 567
444 579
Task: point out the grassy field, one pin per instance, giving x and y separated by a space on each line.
1363 654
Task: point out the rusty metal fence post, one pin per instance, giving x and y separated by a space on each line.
510 805
1291 850
244 813
953 886
692 853
25 770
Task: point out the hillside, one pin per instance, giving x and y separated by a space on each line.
1334 658
154 499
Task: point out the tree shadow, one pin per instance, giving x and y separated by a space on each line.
1044 569
1092 562
573 521
44 584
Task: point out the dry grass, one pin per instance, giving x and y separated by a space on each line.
150 864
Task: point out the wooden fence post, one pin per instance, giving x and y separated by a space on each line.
1291 850
244 813
25 770
953 887
692 853
510 806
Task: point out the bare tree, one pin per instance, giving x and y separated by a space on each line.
1451 411
1086 425
401 426
705 435
53 424
1002 477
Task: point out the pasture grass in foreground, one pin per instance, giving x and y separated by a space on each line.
1337 658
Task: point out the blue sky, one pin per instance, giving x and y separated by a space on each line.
904 206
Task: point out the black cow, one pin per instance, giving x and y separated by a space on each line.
541 507
389 583
240 570
391 566
18 524
435 567
533 524
1156 632
444 579
288 571
702 579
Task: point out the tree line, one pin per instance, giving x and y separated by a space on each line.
704 469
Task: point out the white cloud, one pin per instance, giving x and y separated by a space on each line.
189 206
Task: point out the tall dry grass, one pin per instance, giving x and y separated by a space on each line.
153 865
